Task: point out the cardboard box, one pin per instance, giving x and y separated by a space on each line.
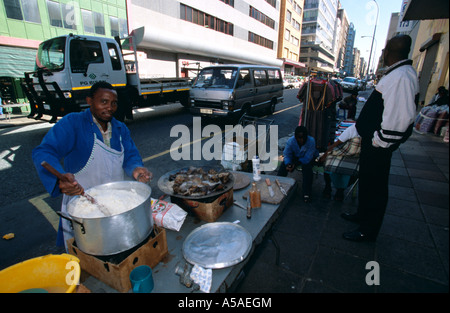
206 211
115 275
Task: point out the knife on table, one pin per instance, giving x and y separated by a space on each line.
269 185
281 187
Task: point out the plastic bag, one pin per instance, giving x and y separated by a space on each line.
167 215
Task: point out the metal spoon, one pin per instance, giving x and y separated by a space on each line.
91 199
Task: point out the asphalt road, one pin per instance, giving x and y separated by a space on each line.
28 211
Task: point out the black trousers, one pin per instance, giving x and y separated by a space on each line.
307 172
374 167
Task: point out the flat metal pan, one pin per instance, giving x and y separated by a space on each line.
166 186
217 245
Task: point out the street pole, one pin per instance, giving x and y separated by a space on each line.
373 38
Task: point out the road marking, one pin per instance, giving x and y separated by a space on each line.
46 210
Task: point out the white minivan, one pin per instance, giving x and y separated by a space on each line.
234 89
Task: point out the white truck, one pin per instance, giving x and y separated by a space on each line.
67 66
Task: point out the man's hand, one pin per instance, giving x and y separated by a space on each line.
142 174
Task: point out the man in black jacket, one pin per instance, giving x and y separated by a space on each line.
384 123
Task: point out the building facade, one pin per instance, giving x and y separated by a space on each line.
348 58
316 51
341 40
289 35
177 38
26 23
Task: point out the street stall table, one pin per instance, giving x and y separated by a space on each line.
164 273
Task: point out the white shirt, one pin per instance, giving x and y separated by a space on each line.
398 89
349 133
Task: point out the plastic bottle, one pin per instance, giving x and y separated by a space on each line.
256 168
255 197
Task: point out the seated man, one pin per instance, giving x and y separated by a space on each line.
300 150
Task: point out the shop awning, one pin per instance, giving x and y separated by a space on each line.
14 61
293 63
426 10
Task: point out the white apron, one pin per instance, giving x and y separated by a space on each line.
104 166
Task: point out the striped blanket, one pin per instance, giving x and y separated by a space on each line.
344 159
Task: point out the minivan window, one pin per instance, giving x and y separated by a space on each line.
274 77
216 78
260 78
244 79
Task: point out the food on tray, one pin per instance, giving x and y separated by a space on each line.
198 182
115 200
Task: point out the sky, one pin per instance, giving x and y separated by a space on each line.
363 13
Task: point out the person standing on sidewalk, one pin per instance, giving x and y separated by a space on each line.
384 123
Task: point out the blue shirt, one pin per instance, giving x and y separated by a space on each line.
72 140
293 153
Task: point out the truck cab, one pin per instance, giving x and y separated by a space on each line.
67 66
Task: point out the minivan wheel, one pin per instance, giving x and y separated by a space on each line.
271 107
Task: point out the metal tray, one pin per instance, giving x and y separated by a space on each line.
217 245
165 186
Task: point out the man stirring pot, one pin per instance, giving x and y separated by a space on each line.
96 149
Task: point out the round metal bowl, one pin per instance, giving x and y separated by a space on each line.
217 245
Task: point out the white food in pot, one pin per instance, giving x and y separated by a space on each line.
116 201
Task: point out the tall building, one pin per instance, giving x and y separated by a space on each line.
348 59
319 17
289 34
341 40
26 23
177 38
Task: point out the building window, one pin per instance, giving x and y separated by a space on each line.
272 3
287 34
262 17
88 23
297 8
229 2
99 23
61 15
288 16
93 22
27 10
200 18
118 27
259 40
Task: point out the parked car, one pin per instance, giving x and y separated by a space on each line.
291 82
350 83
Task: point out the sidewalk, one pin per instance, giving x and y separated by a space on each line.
412 249
20 120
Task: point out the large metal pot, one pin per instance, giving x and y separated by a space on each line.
117 233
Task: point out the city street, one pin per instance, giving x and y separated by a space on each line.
28 211
411 251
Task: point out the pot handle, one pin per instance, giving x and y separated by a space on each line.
67 217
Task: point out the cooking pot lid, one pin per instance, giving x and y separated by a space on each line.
217 245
